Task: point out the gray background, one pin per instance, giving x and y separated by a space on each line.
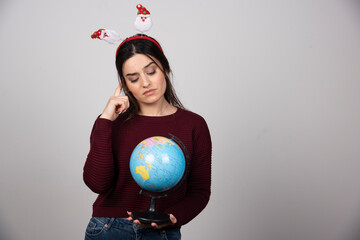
277 81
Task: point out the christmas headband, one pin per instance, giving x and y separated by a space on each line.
139 37
142 23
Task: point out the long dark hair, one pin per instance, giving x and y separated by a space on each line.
151 50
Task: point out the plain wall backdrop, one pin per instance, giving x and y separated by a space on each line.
277 81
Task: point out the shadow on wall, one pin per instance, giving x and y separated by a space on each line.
355 233
356 4
4 234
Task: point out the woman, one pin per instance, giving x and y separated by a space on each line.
149 108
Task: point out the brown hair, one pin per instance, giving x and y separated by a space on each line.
149 48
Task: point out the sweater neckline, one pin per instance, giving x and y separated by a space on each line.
160 118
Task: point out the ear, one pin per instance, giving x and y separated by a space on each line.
125 88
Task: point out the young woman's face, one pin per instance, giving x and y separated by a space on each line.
144 79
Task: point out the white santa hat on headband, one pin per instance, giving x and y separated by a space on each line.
107 35
143 20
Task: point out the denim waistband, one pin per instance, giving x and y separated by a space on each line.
125 224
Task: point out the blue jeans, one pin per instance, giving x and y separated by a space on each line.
104 228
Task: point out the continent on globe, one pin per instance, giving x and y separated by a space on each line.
150 142
143 172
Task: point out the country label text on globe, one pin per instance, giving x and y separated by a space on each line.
157 164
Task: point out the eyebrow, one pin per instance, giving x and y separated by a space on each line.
133 74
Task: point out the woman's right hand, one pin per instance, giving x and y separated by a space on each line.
116 105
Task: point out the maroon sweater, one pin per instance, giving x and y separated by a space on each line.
107 173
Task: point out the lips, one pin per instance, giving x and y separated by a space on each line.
149 92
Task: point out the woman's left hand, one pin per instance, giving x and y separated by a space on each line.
154 225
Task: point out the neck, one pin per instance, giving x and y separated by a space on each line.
162 108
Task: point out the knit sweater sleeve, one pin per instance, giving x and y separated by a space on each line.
99 170
199 179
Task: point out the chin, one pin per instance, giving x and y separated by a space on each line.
151 99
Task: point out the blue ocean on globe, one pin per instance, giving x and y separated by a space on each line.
157 164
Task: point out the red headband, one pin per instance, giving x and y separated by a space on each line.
138 37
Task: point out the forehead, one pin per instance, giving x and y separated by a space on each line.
136 63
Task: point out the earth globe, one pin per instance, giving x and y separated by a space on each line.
159 166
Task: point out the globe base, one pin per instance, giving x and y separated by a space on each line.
149 217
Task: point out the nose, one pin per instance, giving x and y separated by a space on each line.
146 82
143 20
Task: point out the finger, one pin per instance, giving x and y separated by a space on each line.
137 222
129 218
118 102
118 108
122 104
154 225
173 219
118 90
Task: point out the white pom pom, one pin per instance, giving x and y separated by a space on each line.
111 36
